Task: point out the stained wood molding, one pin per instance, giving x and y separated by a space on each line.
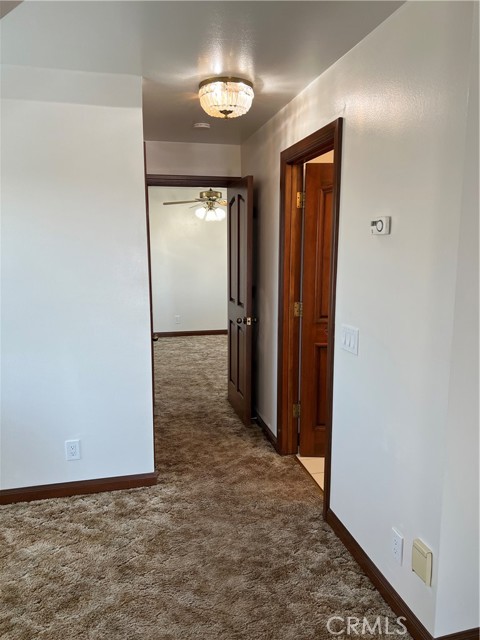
161 180
388 593
326 139
176 334
150 296
81 487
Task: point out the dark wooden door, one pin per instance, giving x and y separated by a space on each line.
240 303
317 245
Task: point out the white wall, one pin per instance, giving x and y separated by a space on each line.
457 608
189 263
196 159
403 94
75 309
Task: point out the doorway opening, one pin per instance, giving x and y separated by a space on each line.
309 216
188 262
238 293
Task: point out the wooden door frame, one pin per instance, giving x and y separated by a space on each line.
328 138
164 180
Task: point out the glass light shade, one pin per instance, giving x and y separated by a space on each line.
210 213
226 97
211 216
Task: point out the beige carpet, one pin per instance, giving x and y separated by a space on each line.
229 545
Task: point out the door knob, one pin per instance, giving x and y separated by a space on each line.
248 321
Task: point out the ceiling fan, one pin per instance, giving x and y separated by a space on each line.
214 197
210 210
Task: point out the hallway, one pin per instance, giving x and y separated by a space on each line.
229 545
263 563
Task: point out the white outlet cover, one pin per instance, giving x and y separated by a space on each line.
397 546
72 449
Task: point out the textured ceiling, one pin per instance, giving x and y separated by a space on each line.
280 46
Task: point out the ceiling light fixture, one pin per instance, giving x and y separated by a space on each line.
226 97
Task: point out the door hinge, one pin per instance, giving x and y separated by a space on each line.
298 309
296 410
300 199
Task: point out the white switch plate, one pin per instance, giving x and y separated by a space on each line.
177 319
349 338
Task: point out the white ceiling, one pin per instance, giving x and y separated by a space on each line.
279 45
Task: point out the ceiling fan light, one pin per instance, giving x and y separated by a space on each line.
226 97
221 215
211 216
200 212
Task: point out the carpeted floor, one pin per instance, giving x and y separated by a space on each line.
230 544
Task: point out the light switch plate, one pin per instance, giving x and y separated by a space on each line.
349 339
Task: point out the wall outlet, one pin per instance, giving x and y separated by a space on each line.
72 449
177 319
397 546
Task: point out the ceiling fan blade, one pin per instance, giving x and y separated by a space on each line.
181 201
222 203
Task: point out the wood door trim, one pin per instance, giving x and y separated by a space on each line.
150 298
163 180
326 139
291 181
